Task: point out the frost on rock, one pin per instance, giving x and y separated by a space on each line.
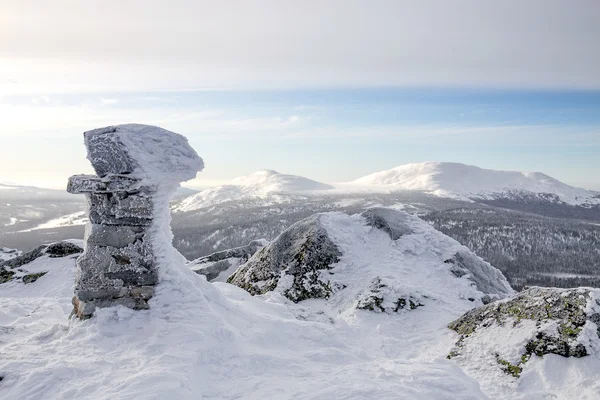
383 260
213 265
486 279
548 321
11 269
300 253
138 169
389 220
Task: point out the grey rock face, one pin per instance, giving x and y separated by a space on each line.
484 278
118 266
107 153
301 252
390 221
214 264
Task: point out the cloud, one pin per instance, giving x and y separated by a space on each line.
272 43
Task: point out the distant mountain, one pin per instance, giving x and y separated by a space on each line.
266 184
468 182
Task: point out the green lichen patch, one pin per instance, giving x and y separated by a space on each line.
6 275
559 315
511 369
30 278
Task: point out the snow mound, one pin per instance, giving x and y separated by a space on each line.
266 185
383 260
467 182
201 340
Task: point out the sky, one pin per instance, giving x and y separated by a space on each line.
332 90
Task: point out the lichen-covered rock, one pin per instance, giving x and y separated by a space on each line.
549 321
139 167
220 262
299 254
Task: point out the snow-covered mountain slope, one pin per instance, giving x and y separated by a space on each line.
465 182
266 185
78 218
202 340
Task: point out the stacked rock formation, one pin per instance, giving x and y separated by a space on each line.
138 167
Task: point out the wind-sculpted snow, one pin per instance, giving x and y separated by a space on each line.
146 152
383 257
202 340
467 182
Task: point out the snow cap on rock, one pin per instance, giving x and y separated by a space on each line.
149 153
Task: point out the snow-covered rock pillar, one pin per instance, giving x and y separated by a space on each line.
128 236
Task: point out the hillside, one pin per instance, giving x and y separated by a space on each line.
468 182
270 186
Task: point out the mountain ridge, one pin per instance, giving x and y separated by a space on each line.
469 182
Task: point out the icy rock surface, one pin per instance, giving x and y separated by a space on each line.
215 265
368 260
139 168
149 153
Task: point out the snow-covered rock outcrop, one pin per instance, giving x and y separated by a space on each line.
516 334
17 268
138 168
465 182
220 265
383 260
7 254
266 185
